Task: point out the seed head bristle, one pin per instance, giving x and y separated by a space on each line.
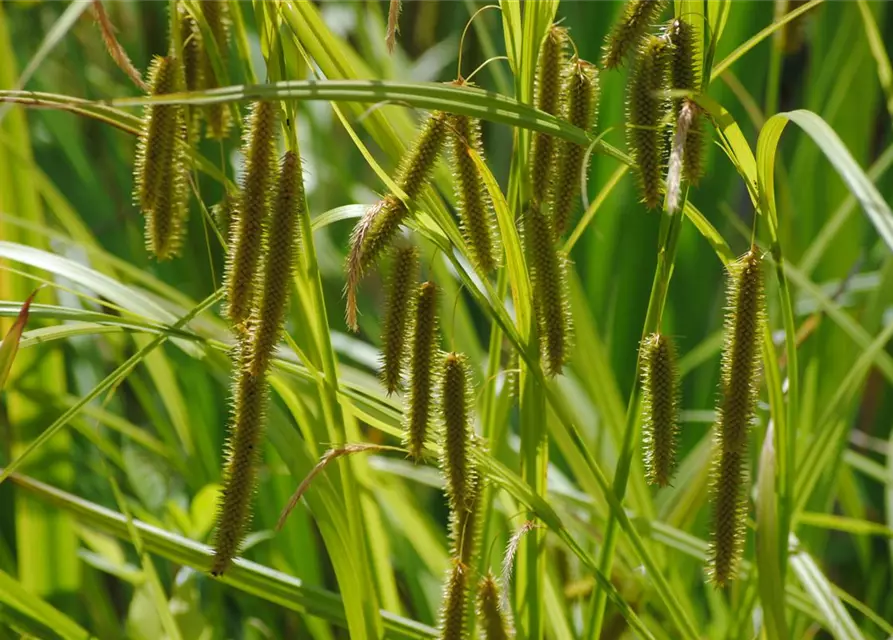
496 623
244 257
740 388
224 213
660 401
193 50
646 108
282 248
549 87
368 240
398 316
161 168
243 453
549 282
457 433
416 167
455 603
684 76
580 108
422 371
638 15
458 591
473 204
216 14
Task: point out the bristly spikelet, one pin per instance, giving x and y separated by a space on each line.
369 238
455 603
416 166
240 472
684 76
580 108
282 248
160 168
549 82
216 14
224 214
638 15
464 533
549 281
399 308
457 433
246 242
740 388
496 623
646 108
476 216
191 42
660 401
422 372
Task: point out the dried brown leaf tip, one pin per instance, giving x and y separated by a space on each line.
422 370
740 388
476 217
399 309
684 77
549 86
548 268
416 167
370 237
393 24
580 108
646 108
637 16
660 402
243 452
244 257
160 168
281 252
216 15
495 622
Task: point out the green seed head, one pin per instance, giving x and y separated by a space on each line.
464 530
549 280
193 51
474 207
422 372
495 621
398 316
457 433
580 108
282 248
244 259
645 112
740 388
455 604
416 167
161 168
224 213
638 15
370 237
684 76
216 14
549 87
240 473
660 395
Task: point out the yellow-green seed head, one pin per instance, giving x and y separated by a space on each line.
496 623
549 86
549 282
580 108
216 14
244 258
243 453
416 167
646 108
224 213
282 248
637 16
684 77
193 51
457 432
370 237
161 168
422 370
465 527
455 603
740 388
476 216
398 316
660 401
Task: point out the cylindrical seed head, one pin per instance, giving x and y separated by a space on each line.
549 86
457 433
216 14
684 77
416 167
637 16
422 370
660 403
495 621
398 316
